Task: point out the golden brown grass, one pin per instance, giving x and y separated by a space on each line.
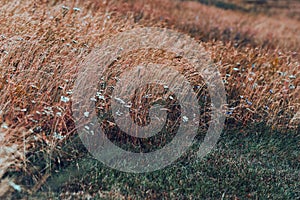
208 23
43 43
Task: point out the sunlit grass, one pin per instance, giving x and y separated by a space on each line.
43 44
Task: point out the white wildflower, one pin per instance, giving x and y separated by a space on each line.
119 100
15 186
118 113
292 77
86 114
4 125
76 9
65 7
58 136
185 119
64 99
93 99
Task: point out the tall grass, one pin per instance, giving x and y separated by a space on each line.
43 43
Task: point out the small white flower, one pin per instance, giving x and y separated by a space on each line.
15 186
119 100
118 113
34 86
248 102
58 136
100 96
86 114
254 85
76 9
93 99
69 92
64 99
185 119
65 7
127 106
292 87
34 121
292 77
4 125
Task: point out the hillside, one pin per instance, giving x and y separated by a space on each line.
45 45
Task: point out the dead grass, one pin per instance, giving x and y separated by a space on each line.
209 23
43 43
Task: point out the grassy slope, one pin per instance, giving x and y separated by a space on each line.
267 161
247 164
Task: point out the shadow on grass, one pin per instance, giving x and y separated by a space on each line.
248 162
223 5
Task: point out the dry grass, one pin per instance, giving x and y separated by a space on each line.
210 23
43 43
274 8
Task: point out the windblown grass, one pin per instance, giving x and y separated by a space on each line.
43 43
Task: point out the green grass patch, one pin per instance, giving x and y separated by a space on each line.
254 162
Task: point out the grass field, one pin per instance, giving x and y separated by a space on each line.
254 45
252 164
